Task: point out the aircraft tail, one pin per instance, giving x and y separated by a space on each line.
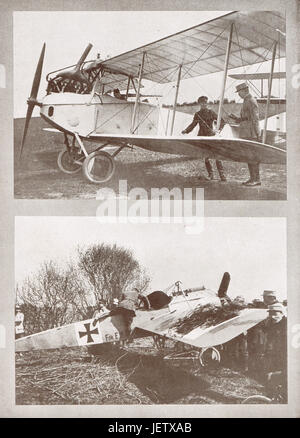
222 292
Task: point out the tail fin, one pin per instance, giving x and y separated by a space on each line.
222 292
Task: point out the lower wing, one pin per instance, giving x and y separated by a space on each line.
208 336
232 149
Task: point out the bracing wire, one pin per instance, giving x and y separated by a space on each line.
110 118
264 56
204 51
238 43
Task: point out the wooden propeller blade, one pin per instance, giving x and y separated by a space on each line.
83 56
38 74
28 117
34 92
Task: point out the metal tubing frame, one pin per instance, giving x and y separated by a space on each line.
270 80
137 94
225 76
176 97
115 153
127 90
133 84
167 124
80 144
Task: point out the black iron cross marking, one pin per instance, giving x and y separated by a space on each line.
88 333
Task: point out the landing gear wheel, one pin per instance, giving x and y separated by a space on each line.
98 167
66 162
209 357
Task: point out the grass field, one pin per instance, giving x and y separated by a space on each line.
135 375
38 177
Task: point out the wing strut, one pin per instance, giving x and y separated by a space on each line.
128 85
137 94
225 76
175 99
269 93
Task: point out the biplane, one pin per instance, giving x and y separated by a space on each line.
158 316
101 101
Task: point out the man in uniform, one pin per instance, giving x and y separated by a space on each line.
269 297
276 346
256 339
118 95
249 128
126 307
205 118
19 323
237 349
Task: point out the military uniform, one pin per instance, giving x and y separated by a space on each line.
19 324
249 128
256 340
276 345
236 352
205 118
126 307
249 125
129 300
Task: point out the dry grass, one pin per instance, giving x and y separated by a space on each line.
37 175
70 376
123 376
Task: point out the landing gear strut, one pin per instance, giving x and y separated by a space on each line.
97 167
205 357
70 159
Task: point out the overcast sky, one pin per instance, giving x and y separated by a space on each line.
253 250
111 32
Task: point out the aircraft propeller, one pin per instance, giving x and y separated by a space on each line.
75 74
32 101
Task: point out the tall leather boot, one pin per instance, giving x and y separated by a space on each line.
220 168
209 168
254 175
257 174
250 167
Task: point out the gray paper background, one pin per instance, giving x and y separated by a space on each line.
11 207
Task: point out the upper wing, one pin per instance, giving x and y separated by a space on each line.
205 337
234 149
201 49
77 334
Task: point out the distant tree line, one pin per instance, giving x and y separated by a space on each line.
210 102
55 295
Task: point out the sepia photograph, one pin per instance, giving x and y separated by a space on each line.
148 314
149 226
187 99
